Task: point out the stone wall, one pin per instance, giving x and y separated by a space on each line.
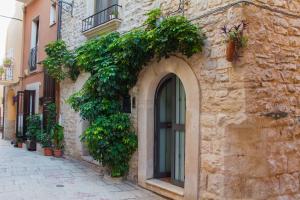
73 124
245 154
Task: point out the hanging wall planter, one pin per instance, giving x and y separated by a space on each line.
230 51
235 40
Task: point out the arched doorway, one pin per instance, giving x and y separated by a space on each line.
169 139
150 80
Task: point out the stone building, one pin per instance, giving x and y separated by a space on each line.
241 120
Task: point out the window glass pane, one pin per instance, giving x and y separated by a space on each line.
180 102
52 14
164 150
179 155
166 103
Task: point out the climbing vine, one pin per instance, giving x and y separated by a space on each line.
60 63
114 62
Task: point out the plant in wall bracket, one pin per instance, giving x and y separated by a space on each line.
114 62
235 40
7 62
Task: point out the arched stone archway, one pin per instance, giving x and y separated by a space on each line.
147 85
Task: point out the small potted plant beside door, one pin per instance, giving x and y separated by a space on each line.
33 129
45 140
19 142
57 138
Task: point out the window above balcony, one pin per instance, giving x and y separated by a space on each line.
106 18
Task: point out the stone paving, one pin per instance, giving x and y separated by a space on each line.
28 175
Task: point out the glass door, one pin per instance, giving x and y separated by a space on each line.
170 131
103 10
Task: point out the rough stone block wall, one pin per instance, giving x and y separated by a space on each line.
244 153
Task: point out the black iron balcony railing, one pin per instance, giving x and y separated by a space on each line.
33 58
101 17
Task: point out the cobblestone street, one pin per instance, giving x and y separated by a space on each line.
27 175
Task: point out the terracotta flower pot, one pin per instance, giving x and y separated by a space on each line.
20 145
230 50
57 153
47 151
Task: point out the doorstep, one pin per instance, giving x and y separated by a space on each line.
165 189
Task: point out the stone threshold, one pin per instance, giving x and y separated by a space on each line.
165 189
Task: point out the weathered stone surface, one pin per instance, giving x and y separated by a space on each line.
245 153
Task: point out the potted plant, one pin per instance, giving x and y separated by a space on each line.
45 140
33 129
57 138
47 134
19 142
235 40
113 15
7 62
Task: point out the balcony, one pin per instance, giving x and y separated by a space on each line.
6 75
33 59
105 21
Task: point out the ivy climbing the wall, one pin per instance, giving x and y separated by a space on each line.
114 62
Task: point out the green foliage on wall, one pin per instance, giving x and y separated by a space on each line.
60 63
111 140
114 62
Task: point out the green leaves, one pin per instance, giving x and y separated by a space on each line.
153 17
114 62
111 142
57 136
60 63
176 34
34 126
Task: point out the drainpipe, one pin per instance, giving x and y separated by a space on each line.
59 19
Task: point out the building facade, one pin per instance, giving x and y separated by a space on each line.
10 77
238 122
33 86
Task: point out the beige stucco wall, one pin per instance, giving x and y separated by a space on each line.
10 114
12 49
243 153
14 44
